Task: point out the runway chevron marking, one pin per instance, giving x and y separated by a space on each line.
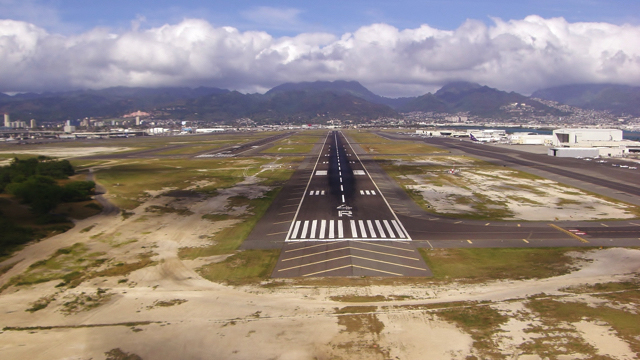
309 247
353 266
387 246
387 262
349 256
387 254
314 263
317 253
349 248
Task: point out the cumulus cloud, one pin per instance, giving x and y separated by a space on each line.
519 55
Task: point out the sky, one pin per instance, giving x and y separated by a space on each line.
394 48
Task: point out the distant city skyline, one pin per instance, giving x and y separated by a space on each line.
394 48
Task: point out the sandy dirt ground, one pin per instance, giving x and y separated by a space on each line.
518 198
168 311
69 152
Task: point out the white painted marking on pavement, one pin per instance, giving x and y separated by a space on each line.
363 232
312 234
398 229
389 230
380 230
323 224
331 232
295 230
354 231
371 231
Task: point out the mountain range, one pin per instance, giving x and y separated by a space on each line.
306 102
618 99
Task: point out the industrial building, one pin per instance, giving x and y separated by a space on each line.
529 138
585 137
590 152
591 143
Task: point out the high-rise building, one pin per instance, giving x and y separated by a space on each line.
7 120
33 124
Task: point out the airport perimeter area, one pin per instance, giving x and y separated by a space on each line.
329 245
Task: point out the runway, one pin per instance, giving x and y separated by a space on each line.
340 222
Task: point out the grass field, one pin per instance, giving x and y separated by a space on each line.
128 181
366 137
190 149
374 144
480 265
301 143
249 266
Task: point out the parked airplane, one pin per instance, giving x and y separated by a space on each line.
483 138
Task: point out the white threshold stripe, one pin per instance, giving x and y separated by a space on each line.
380 230
389 230
314 223
305 226
363 232
351 239
371 231
354 231
398 229
323 224
295 230
317 230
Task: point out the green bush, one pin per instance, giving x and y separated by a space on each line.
20 170
40 192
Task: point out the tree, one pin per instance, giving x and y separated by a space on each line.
40 192
78 191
